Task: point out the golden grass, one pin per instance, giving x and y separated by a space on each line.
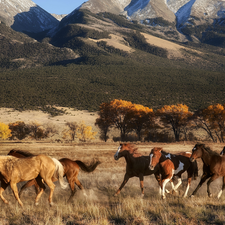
100 206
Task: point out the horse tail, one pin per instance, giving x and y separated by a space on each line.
87 168
59 173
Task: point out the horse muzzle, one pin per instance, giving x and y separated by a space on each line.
151 167
192 159
116 157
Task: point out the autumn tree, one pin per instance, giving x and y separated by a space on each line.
5 132
85 133
105 120
121 116
72 130
37 131
177 116
19 129
215 116
140 118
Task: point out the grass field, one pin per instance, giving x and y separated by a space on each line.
100 206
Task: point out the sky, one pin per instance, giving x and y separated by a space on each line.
59 6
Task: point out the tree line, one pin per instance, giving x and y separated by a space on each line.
128 117
20 130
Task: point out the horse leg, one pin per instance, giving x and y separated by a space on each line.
178 184
164 182
223 186
204 177
15 191
29 184
126 178
42 188
78 183
4 185
52 187
214 177
188 186
141 178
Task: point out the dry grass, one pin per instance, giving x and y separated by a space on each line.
100 207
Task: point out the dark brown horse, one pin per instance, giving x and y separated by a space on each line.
213 166
172 165
71 171
137 165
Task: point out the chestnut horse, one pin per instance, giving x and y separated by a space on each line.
213 166
71 171
137 165
14 170
172 165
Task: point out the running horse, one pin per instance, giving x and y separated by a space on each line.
213 166
71 171
137 165
171 165
14 170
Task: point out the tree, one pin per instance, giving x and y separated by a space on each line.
121 116
141 118
72 131
215 115
85 133
37 131
19 130
105 120
177 116
5 132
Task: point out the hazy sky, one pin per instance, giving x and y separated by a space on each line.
59 6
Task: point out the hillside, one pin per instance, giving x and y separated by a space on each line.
100 57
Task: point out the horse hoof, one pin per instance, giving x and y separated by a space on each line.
142 195
51 204
192 196
210 195
36 203
163 197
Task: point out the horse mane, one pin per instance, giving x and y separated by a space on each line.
22 152
133 150
211 152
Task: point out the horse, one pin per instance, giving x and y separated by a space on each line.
222 152
14 170
71 171
137 165
172 165
213 166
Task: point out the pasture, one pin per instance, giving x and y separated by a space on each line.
100 206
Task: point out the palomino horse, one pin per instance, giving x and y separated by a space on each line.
137 165
14 170
213 166
71 171
172 165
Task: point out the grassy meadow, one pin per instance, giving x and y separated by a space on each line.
100 206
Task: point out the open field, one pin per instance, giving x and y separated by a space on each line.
100 207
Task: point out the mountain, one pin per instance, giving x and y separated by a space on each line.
100 52
26 16
198 20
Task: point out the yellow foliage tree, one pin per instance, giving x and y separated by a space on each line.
215 116
5 132
85 133
175 115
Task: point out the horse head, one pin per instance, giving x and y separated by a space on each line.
155 156
124 149
196 152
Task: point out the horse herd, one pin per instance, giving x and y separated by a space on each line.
41 169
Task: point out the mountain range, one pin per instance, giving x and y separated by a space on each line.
113 43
